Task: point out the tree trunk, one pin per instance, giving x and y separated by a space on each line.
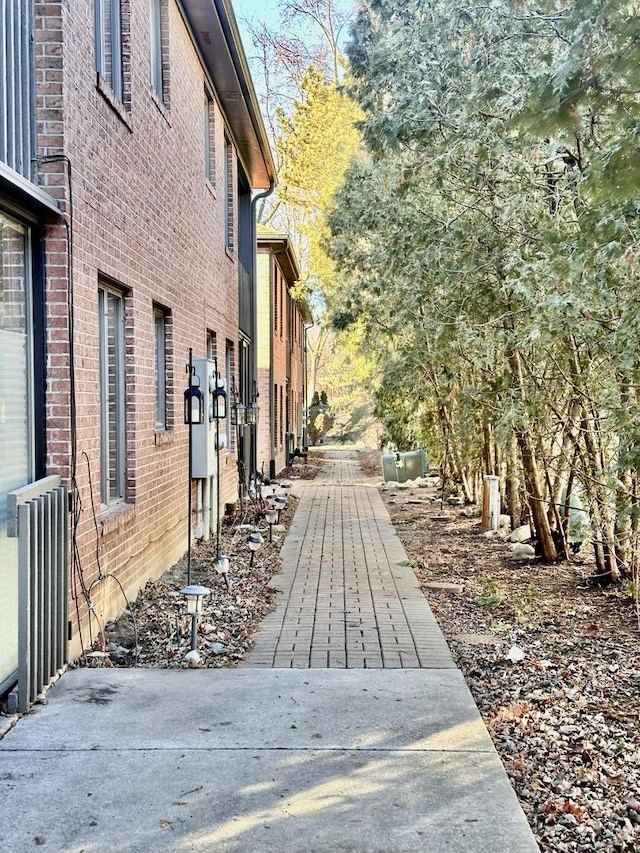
526 445
594 479
512 488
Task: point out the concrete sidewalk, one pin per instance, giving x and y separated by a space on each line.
381 749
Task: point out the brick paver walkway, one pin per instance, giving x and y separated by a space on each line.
349 599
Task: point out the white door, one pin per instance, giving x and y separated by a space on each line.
16 445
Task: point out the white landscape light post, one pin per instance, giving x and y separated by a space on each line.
272 516
280 504
195 596
255 543
221 565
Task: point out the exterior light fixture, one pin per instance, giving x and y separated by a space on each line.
271 516
219 400
255 543
195 596
221 564
193 403
280 504
285 486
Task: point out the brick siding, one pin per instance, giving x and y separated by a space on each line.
144 218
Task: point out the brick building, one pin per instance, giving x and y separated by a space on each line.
130 149
282 321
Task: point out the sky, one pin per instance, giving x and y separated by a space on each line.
261 10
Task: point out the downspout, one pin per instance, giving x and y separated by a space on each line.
254 312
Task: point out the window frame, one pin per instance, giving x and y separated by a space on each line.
160 363
110 73
108 499
156 53
229 196
229 366
209 138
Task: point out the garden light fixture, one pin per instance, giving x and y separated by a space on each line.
271 516
221 564
280 504
195 596
255 543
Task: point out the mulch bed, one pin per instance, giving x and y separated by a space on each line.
565 719
154 630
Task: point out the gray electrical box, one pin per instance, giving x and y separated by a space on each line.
203 454
400 467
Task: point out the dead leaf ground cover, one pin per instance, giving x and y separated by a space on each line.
154 630
565 720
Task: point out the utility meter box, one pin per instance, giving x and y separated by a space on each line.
400 467
203 437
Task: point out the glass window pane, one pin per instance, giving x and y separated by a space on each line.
156 47
112 396
16 449
160 370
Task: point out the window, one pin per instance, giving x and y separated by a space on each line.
212 347
158 36
281 432
17 462
229 374
282 303
112 395
160 353
229 196
209 138
276 292
275 416
109 65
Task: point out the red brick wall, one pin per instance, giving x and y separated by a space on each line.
276 334
145 218
263 353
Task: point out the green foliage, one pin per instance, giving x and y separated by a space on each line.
491 595
525 604
487 248
320 419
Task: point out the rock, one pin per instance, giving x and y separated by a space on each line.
444 585
505 521
515 654
120 654
122 632
218 648
192 658
520 534
523 552
493 534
